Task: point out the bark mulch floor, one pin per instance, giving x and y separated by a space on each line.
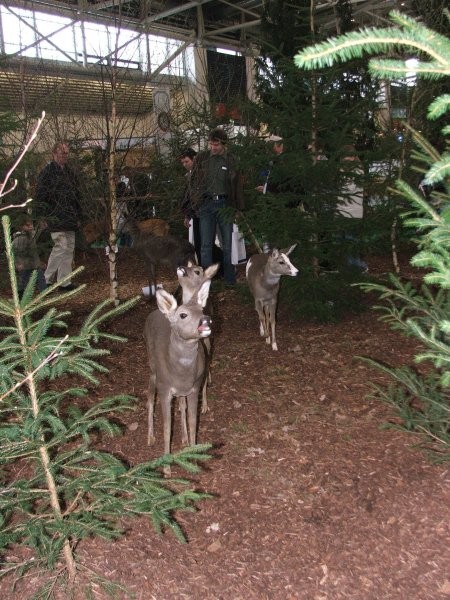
313 499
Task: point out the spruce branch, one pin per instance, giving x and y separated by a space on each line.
53 354
439 107
413 36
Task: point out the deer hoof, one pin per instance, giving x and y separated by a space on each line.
205 408
150 439
167 472
274 346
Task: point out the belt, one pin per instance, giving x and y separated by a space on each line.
219 196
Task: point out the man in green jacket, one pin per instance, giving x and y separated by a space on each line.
216 184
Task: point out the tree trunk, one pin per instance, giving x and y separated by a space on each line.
112 247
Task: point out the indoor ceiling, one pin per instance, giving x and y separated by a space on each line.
208 23
211 23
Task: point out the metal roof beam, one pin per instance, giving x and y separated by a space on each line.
241 8
175 10
42 37
110 4
236 27
168 60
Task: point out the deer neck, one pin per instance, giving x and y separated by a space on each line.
182 352
269 278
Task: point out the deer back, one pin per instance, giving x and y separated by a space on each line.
155 226
167 249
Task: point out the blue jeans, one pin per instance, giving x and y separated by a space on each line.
210 218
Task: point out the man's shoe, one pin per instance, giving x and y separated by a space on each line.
67 288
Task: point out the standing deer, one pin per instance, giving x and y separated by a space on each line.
263 274
159 250
191 279
177 360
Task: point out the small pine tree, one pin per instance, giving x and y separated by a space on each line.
421 397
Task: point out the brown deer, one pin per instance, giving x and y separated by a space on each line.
177 360
191 279
159 250
263 274
95 229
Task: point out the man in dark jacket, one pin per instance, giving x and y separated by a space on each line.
58 206
190 218
216 184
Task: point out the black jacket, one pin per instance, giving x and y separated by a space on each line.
58 197
186 202
198 181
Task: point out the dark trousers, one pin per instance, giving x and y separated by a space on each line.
24 278
210 219
217 254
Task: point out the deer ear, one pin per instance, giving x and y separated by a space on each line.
211 271
203 293
275 253
166 302
190 263
287 251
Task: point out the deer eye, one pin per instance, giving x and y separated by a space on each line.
183 315
197 272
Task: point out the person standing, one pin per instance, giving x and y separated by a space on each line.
216 184
190 218
26 255
351 205
58 206
269 185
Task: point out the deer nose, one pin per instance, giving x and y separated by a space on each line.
204 325
181 272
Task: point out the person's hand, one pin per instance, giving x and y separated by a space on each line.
259 188
186 222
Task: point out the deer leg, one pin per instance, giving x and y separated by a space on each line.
184 433
267 322
272 312
192 401
262 319
166 409
152 280
204 394
207 347
151 409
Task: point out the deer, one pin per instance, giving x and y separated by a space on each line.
190 278
177 361
95 229
159 250
263 273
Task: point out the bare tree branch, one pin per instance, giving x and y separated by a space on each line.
19 158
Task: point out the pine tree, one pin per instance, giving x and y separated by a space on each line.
318 115
421 397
